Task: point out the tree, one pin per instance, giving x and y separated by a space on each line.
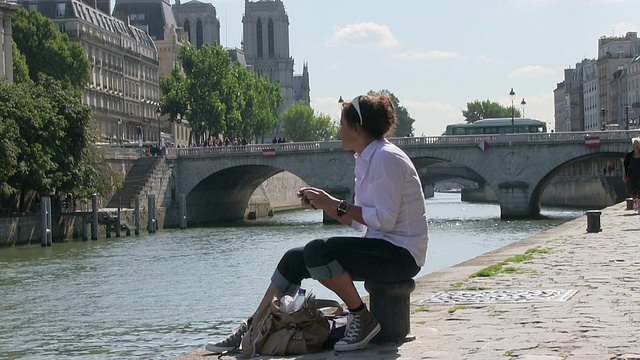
486 110
20 67
8 153
49 51
301 124
404 124
218 97
45 131
46 143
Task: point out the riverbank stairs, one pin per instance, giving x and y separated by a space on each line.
145 177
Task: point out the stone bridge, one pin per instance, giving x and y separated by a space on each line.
218 181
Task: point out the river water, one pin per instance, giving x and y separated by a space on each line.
161 295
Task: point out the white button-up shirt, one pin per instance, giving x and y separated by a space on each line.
389 191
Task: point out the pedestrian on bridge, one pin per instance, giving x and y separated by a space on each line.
631 175
388 207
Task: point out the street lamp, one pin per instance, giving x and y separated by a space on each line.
512 96
119 132
159 112
602 113
523 105
626 115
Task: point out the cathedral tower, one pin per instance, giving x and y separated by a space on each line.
266 44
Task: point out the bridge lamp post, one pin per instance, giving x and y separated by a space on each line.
158 113
523 105
119 132
512 96
602 113
626 115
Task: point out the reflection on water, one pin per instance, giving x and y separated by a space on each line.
161 295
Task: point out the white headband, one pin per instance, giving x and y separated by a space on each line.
356 105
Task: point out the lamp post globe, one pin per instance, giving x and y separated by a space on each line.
512 96
523 105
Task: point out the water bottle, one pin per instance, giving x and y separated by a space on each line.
298 302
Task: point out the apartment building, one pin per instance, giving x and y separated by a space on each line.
600 94
123 91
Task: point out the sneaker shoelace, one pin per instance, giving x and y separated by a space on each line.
354 327
236 336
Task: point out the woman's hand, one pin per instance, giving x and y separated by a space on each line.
316 198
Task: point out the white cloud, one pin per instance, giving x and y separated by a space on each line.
431 118
431 55
327 105
485 58
530 71
364 34
621 28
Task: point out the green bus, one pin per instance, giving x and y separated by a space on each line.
497 126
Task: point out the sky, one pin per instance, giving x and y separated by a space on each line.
436 56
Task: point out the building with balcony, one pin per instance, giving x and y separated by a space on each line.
591 105
613 53
123 90
6 40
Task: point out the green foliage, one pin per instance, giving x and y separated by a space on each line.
456 308
218 97
500 267
487 109
537 250
46 142
404 126
20 67
50 52
301 124
8 153
34 118
45 131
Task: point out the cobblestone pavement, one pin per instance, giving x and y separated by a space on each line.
574 297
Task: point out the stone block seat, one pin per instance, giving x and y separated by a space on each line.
389 303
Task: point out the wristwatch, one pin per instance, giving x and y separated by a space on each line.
343 207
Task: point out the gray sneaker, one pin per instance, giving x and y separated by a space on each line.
362 326
231 343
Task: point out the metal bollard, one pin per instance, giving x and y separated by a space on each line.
593 221
137 215
629 203
183 211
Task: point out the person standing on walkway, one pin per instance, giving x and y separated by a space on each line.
389 206
631 175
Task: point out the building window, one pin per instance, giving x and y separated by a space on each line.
271 38
199 35
187 29
136 17
259 38
60 9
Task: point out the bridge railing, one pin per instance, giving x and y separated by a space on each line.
436 141
256 149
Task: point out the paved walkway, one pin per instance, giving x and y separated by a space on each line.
578 297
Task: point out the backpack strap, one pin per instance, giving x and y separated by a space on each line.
317 304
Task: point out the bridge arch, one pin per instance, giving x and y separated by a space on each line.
538 190
218 189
